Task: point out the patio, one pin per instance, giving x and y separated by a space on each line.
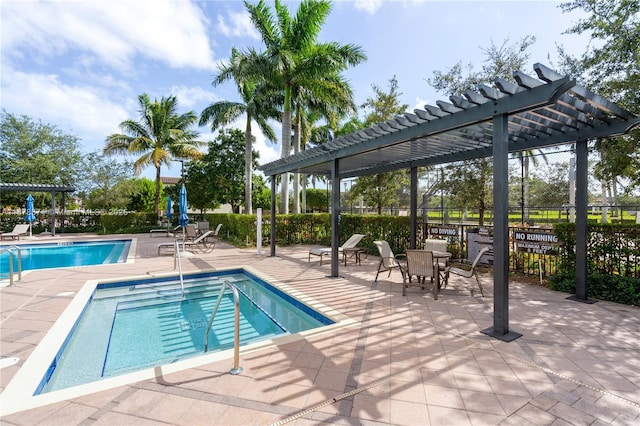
404 361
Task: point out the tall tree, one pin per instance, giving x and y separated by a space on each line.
382 189
256 105
36 152
160 137
293 53
611 68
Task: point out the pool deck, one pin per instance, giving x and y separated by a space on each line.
403 360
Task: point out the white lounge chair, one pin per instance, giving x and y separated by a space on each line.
199 242
326 251
22 229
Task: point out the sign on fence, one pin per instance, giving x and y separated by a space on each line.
443 230
536 242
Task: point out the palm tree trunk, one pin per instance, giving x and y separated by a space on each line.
296 176
248 169
286 150
156 202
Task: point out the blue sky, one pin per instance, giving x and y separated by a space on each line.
80 65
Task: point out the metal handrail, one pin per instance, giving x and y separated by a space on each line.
236 335
9 250
178 259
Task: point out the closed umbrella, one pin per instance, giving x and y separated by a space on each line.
183 219
169 208
30 217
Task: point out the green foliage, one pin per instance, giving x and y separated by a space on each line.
129 223
261 194
317 200
101 184
34 152
385 105
141 195
469 184
614 288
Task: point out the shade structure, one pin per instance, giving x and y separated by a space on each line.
183 219
30 217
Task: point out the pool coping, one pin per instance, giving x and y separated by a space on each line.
18 395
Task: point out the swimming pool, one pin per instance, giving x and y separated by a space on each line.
67 254
130 325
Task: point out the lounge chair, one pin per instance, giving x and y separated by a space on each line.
388 260
202 227
470 272
351 243
190 233
200 242
22 229
167 231
420 264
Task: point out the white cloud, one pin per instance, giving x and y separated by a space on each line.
83 111
193 97
112 32
369 6
420 103
239 26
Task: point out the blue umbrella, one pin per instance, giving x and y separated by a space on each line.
183 219
30 217
169 208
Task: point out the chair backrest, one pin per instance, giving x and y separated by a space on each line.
420 262
217 231
203 226
386 255
435 245
190 231
21 229
478 257
352 241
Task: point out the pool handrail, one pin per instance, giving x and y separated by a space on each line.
9 250
178 259
236 319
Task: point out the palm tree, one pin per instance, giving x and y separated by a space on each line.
160 137
290 48
256 104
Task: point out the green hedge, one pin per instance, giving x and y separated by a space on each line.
613 262
130 223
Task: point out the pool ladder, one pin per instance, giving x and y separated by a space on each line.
10 251
236 326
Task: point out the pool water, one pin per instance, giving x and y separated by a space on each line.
66 254
140 324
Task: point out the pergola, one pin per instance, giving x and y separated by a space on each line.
511 116
36 187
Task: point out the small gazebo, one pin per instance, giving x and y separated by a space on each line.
36 187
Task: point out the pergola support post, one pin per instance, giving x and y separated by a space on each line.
413 208
335 216
581 222
500 329
53 214
272 252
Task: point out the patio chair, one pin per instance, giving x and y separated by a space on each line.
467 273
202 227
21 229
431 244
199 242
420 264
388 260
190 233
326 251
